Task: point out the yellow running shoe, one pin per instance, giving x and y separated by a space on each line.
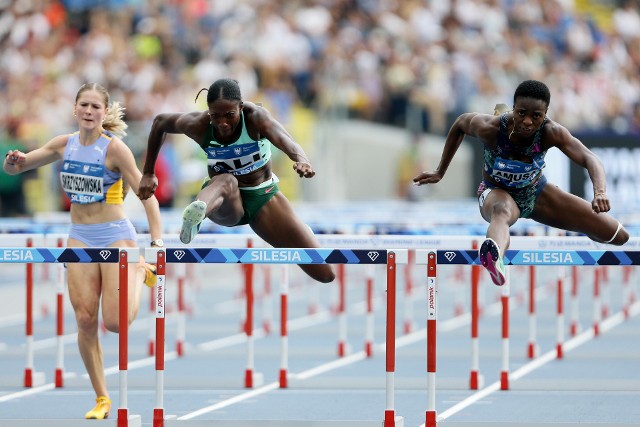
101 410
150 275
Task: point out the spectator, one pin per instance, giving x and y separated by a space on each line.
372 60
12 200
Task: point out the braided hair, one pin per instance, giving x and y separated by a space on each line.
228 89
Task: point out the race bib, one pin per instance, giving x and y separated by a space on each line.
236 160
83 182
514 173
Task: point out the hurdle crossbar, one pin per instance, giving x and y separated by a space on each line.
251 256
432 258
122 257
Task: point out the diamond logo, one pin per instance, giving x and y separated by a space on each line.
179 254
373 255
105 254
449 256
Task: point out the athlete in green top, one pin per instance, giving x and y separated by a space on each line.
240 189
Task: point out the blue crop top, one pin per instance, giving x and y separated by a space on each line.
509 172
84 176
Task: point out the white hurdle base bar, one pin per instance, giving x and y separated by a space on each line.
399 422
37 379
373 383
187 382
134 421
541 424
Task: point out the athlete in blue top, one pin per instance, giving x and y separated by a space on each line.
95 164
240 189
513 186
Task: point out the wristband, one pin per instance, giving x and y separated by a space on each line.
157 243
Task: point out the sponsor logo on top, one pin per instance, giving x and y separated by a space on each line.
275 255
16 255
562 258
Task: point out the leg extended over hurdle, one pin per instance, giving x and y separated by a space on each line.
433 258
252 256
122 257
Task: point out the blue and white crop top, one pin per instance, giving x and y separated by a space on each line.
508 172
238 158
84 176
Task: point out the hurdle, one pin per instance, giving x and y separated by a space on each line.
122 257
31 377
432 258
202 240
252 256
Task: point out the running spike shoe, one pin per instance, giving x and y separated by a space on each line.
101 410
150 275
192 217
492 261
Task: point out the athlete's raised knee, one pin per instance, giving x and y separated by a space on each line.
501 210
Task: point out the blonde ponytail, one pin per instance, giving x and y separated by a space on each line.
113 121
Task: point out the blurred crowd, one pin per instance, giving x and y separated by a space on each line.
378 60
370 57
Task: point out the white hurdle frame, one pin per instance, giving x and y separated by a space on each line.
30 255
431 258
254 256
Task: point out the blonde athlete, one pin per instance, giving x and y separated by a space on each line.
513 186
95 164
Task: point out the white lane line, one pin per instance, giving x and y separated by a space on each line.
567 346
35 390
230 340
326 367
298 323
292 325
239 398
135 364
416 336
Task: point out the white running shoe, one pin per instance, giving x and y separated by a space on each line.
192 216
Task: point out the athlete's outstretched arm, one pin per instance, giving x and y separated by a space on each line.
162 125
575 150
280 138
122 158
16 161
481 126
